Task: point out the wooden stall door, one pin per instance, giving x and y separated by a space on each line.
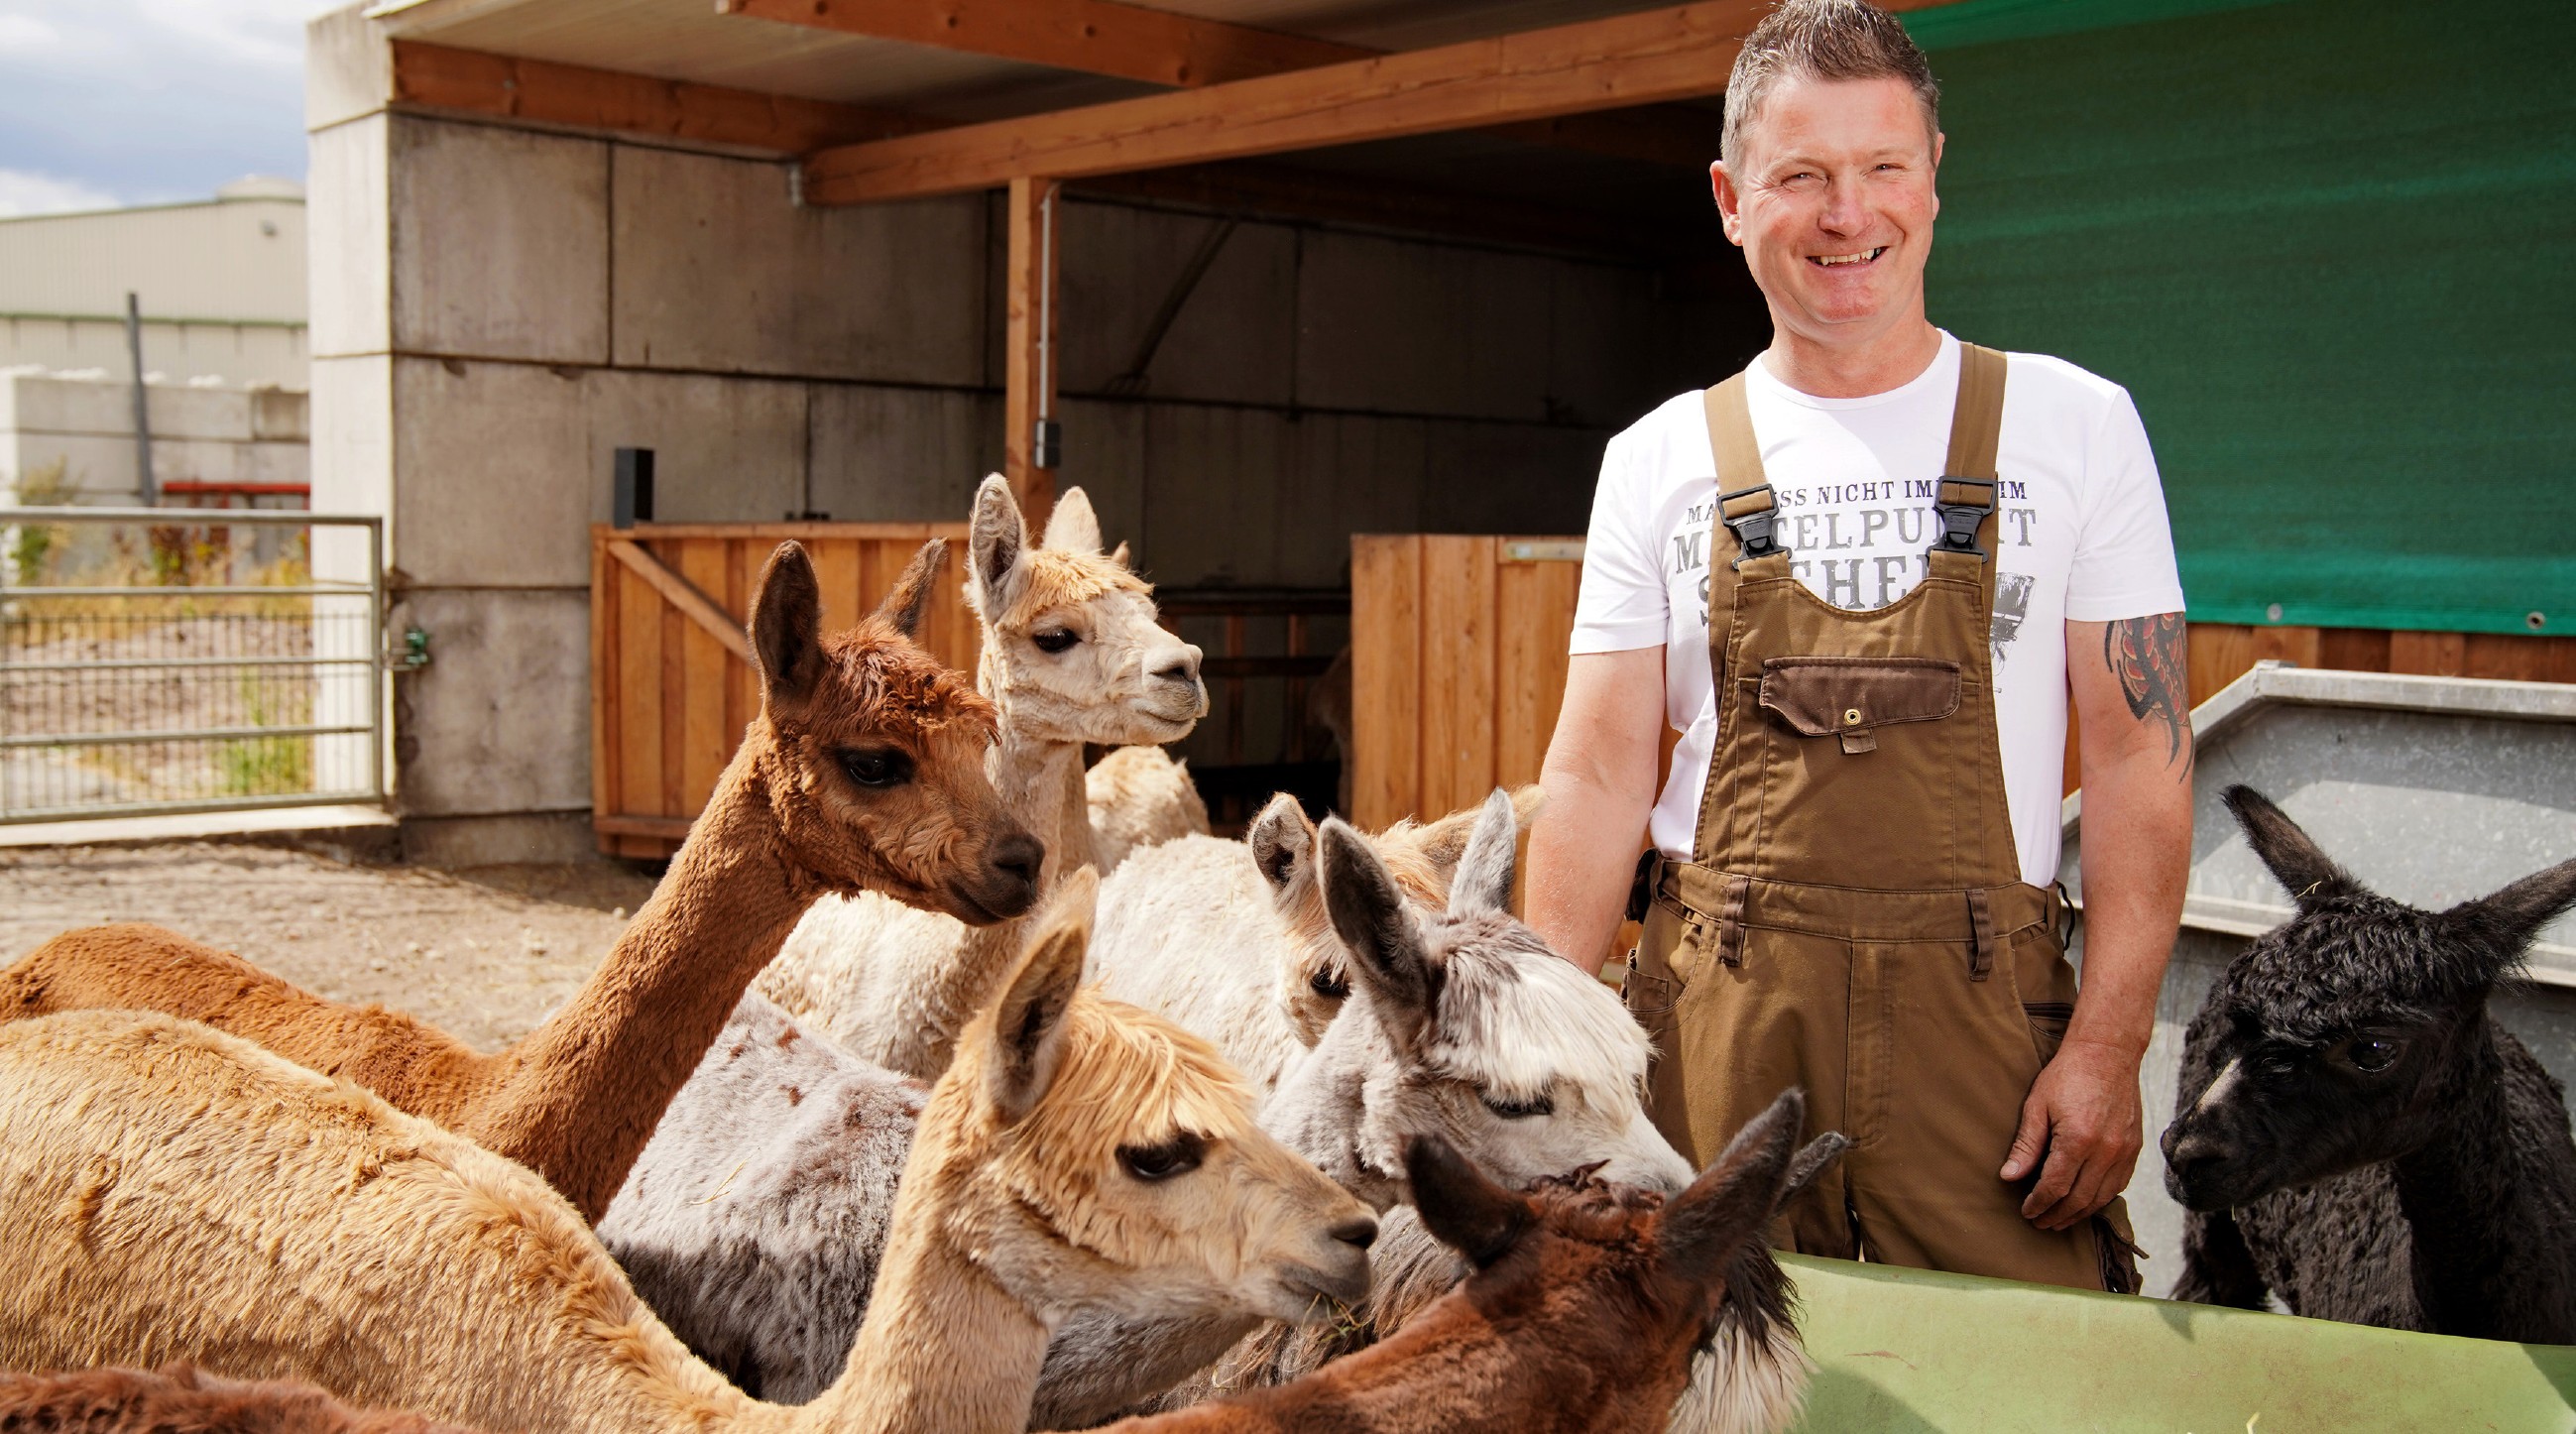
671 683
1458 664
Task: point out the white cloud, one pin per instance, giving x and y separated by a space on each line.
26 34
25 192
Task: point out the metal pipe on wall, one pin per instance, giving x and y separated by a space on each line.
142 404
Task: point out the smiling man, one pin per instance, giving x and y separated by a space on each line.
1862 579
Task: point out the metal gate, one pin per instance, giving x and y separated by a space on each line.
173 660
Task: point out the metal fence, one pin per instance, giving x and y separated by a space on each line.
169 660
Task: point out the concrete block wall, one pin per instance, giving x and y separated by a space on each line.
203 433
496 309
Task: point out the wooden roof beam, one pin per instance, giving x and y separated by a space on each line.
1098 37
1668 54
1103 37
472 82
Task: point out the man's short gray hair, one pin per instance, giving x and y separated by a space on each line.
1823 40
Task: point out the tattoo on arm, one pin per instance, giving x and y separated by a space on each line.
2145 655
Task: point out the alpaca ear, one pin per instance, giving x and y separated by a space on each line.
2302 868
909 599
787 629
1280 839
996 546
1810 1162
1028 1024
1119 556
1459 1206
1073 527
1444 842
1369 914
1730 1205
1484 879
2505 922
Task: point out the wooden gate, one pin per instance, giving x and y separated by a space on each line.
1458 663
671 685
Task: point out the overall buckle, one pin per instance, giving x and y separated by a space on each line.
1959 520
1757 532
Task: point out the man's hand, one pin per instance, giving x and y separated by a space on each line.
2083 1117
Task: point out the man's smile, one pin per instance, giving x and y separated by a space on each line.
1830 261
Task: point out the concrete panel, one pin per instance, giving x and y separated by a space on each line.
218 414
717 269
499 722
348 67
901 454
1395 326
725 450
348 223
500 242
99 468
352 453
494 476
1234 336
462 843
1510 478
281 416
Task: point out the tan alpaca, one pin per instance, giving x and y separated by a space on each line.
1139 797
1072 654
864 769
173 1193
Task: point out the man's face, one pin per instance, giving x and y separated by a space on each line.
1832 202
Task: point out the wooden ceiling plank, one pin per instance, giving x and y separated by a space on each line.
442 77
1666 54
1100 37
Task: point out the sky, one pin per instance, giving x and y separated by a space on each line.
106 102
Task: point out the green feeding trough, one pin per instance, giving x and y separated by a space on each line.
1906 1351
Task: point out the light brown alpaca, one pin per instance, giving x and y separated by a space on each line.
1072 654
864 769
173 1192
1582 1311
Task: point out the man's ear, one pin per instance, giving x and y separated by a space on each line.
787 629
909 599
1730 204
1028 1023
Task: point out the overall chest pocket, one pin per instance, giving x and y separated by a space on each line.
1862 776
1850 698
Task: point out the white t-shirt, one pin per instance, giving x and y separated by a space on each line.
2082 537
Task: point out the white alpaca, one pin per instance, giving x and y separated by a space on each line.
1230 938
1140 797
1071 654
174 1192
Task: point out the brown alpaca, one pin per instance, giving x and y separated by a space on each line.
1584 1308
182 1399
863 771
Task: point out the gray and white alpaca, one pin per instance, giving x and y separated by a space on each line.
1231 940
2358 1135
1464 1024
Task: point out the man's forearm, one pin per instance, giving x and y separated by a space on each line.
1582 853
2137 857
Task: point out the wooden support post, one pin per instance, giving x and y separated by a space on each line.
1028 348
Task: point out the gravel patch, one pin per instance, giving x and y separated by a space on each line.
483 953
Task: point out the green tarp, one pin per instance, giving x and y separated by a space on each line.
2330 245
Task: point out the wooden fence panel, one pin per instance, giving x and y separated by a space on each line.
1458 664
670 695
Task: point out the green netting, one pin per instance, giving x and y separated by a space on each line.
2330 245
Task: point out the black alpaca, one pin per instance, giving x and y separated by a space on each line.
2355 1133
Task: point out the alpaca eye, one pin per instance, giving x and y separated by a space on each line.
1329 985
1054 639
1177 1156
2370 1053
1519 1109
874 768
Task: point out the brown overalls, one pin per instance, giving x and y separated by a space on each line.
1853 919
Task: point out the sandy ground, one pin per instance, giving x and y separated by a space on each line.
483 953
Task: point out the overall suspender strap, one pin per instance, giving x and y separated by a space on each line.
1748 514
1964 510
